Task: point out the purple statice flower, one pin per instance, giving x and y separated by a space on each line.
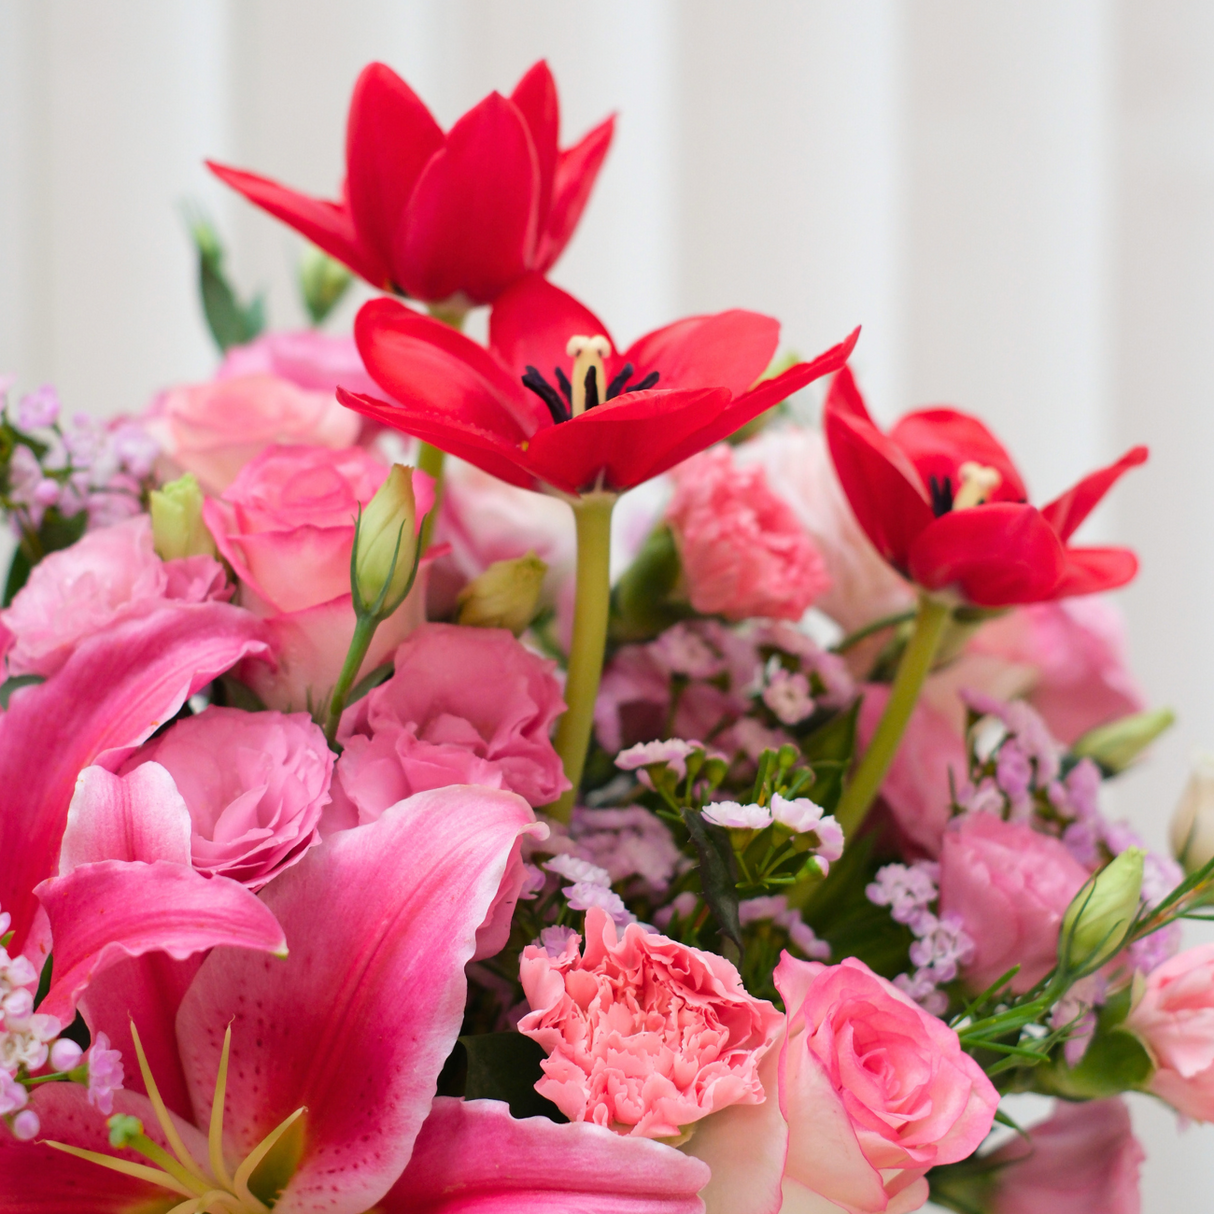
572 868
907 889
682 650
787 694
555 940
37 409
1013 771
629 842
942 947
105 1074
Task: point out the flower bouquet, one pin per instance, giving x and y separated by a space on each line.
546 775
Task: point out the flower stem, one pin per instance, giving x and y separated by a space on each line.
430 460
917 658
360 642
591 608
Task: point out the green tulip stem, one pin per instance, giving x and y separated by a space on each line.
360 642
591 609
861 791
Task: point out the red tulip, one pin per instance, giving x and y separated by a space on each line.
942 501
455 217
551 402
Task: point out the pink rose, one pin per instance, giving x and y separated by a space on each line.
254 784
286 526
744 552
643 1035
306 358
1084 1160
109 575
213 430
1175 1020
464 706
1010 885
873 1091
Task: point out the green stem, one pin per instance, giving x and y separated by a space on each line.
590 612
430 460
917 658
360 642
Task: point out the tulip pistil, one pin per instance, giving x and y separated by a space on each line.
977 483
587 385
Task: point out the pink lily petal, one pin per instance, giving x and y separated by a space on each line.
473 1156
114 692
141 816
103 913
357 1023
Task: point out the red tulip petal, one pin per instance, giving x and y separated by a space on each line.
729 350
536 97
576 172
844 396
880 482
357 1022
328 225
531 325
1089 570
470 225
1065 513
623 442
472 1155
939 441
995 555
390 137
459 438
427 365
114 692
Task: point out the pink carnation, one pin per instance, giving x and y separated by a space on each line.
464 706
1175 1019
254 783
744 552
1010 886
111 574
644 1035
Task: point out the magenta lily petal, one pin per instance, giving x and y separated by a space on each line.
140 816
473 1156
357 1023
103 913
113 693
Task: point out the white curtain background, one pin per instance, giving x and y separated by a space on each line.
1015 200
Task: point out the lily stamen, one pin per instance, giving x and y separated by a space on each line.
978 482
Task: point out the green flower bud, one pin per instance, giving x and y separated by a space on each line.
123 1129
322 282
1114 747
177 526
385 548
506 595
1192 829
1096 922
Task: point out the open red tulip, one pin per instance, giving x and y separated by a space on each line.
942 501
551 402
455 217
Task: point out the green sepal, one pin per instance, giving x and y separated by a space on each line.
231 323
1114 1062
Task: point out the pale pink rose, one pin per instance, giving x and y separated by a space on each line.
1175 1020
254 783
214 429
643 1035
307 358
863 587
464 706
1076 651
109 575
872 1092
286 526
744 552
1010 886
1083 1160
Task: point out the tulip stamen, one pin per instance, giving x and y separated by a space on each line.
978 482
585 389
588 373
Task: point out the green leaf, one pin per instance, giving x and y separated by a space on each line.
1115 1062
506 1066
55 533
44 979
323 282
643 602
829 750
231 322
718 878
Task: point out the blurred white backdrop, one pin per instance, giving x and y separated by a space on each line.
1017 202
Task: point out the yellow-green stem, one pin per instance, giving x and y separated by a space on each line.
916 664
360 642
590 612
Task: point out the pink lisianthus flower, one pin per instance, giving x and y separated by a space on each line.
110 575
744 552
1083 1160
249 787
1174 1018
464 706
872 1092
644 1035
286 526
307 358
1009 886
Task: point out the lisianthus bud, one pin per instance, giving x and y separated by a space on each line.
506 595
177 526
1115 746
1192 829
386 545
1095 923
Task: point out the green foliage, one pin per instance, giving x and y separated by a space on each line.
498 1066
323 282
231 323
645 601
54 533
